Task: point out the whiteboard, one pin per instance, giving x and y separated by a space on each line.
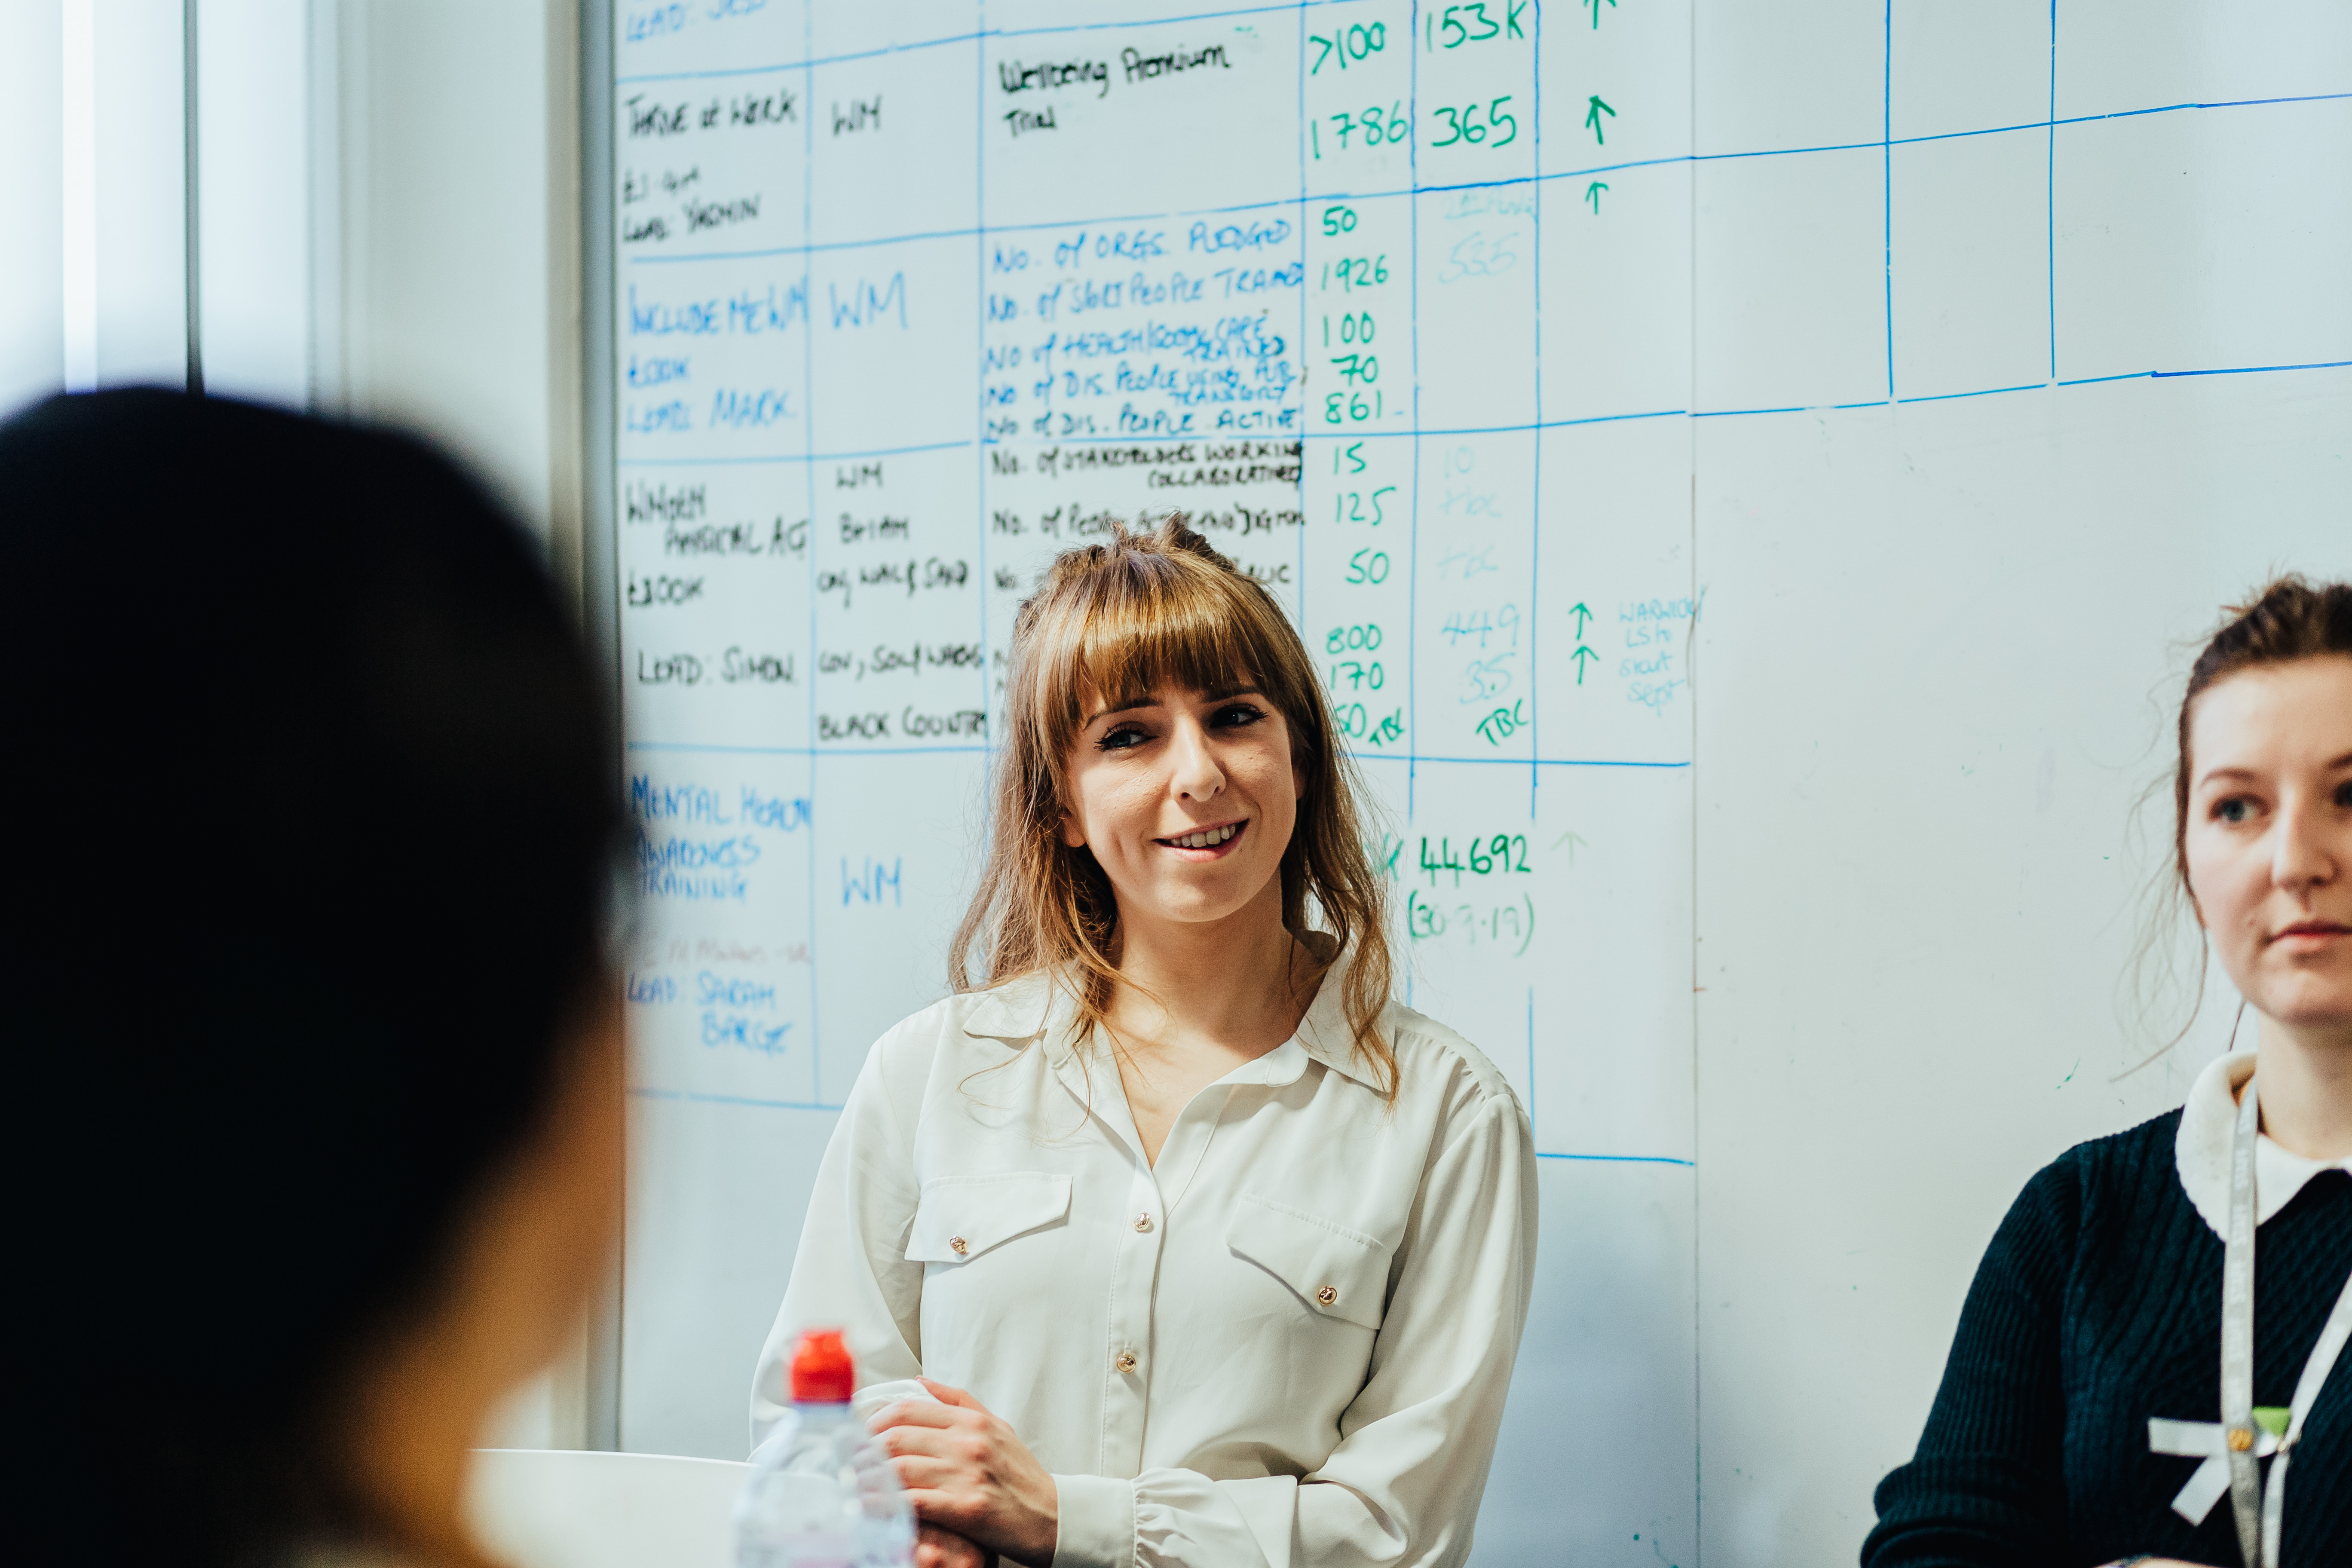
1744 471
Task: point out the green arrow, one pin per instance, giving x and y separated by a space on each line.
1581 654
1573 843
1593 193
1596 12
1592 116
1582 616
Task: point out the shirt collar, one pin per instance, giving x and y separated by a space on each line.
2201 1148
1013 1012
1041 1008
1034 1005
1324 1033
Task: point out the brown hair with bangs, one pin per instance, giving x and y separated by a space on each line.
1146 611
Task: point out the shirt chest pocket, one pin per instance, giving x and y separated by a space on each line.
960 1217
1335 1272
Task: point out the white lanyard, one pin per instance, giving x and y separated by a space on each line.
2231 1445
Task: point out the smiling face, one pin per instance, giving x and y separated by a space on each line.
2267 836
1187 800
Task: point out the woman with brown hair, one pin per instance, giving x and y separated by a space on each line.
1203 1249
2127 1386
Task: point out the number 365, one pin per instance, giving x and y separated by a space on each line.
1472 124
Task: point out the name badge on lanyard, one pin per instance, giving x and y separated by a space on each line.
2245 1434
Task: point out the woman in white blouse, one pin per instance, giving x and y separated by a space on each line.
1204 1250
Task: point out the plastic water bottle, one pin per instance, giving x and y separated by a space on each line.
822 1494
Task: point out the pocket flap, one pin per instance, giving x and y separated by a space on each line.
960 1217
1335 1272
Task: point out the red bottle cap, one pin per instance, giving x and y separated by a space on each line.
823 1372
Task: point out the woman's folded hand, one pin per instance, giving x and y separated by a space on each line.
937 1548
967 1471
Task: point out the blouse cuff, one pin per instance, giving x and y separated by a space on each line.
1096 1528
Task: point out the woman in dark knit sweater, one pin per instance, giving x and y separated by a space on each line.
2097 1310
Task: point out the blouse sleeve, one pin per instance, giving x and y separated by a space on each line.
1986 1487
851 1270
1403 1484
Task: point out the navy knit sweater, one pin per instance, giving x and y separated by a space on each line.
2098 1305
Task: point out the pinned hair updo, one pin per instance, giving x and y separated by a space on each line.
2291 619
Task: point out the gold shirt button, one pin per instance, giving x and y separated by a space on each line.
957 1242
1326 1295
1124 1361
1143 1222
2240 1439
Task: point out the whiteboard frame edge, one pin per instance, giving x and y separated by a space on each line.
600 549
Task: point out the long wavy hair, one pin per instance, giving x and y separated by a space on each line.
1148 611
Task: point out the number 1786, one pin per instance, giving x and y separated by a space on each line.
1374 126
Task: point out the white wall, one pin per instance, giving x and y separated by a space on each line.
92 256
388 218
32 270
459 275
255 202
141 263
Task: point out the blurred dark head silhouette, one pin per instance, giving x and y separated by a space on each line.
316 832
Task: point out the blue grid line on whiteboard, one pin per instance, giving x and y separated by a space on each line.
699 1096
1616 1158
1535 528
984 33
2050 196
701 748
1413 521
754 1102
808 443
1532 427
1378 194
1887 177
1587 1158
980 34
1413 191
1299 151
1885 143
980 345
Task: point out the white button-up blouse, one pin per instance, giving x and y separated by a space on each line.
1287 1343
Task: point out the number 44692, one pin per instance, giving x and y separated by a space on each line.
1505 852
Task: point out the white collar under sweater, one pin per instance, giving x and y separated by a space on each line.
2208 1123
